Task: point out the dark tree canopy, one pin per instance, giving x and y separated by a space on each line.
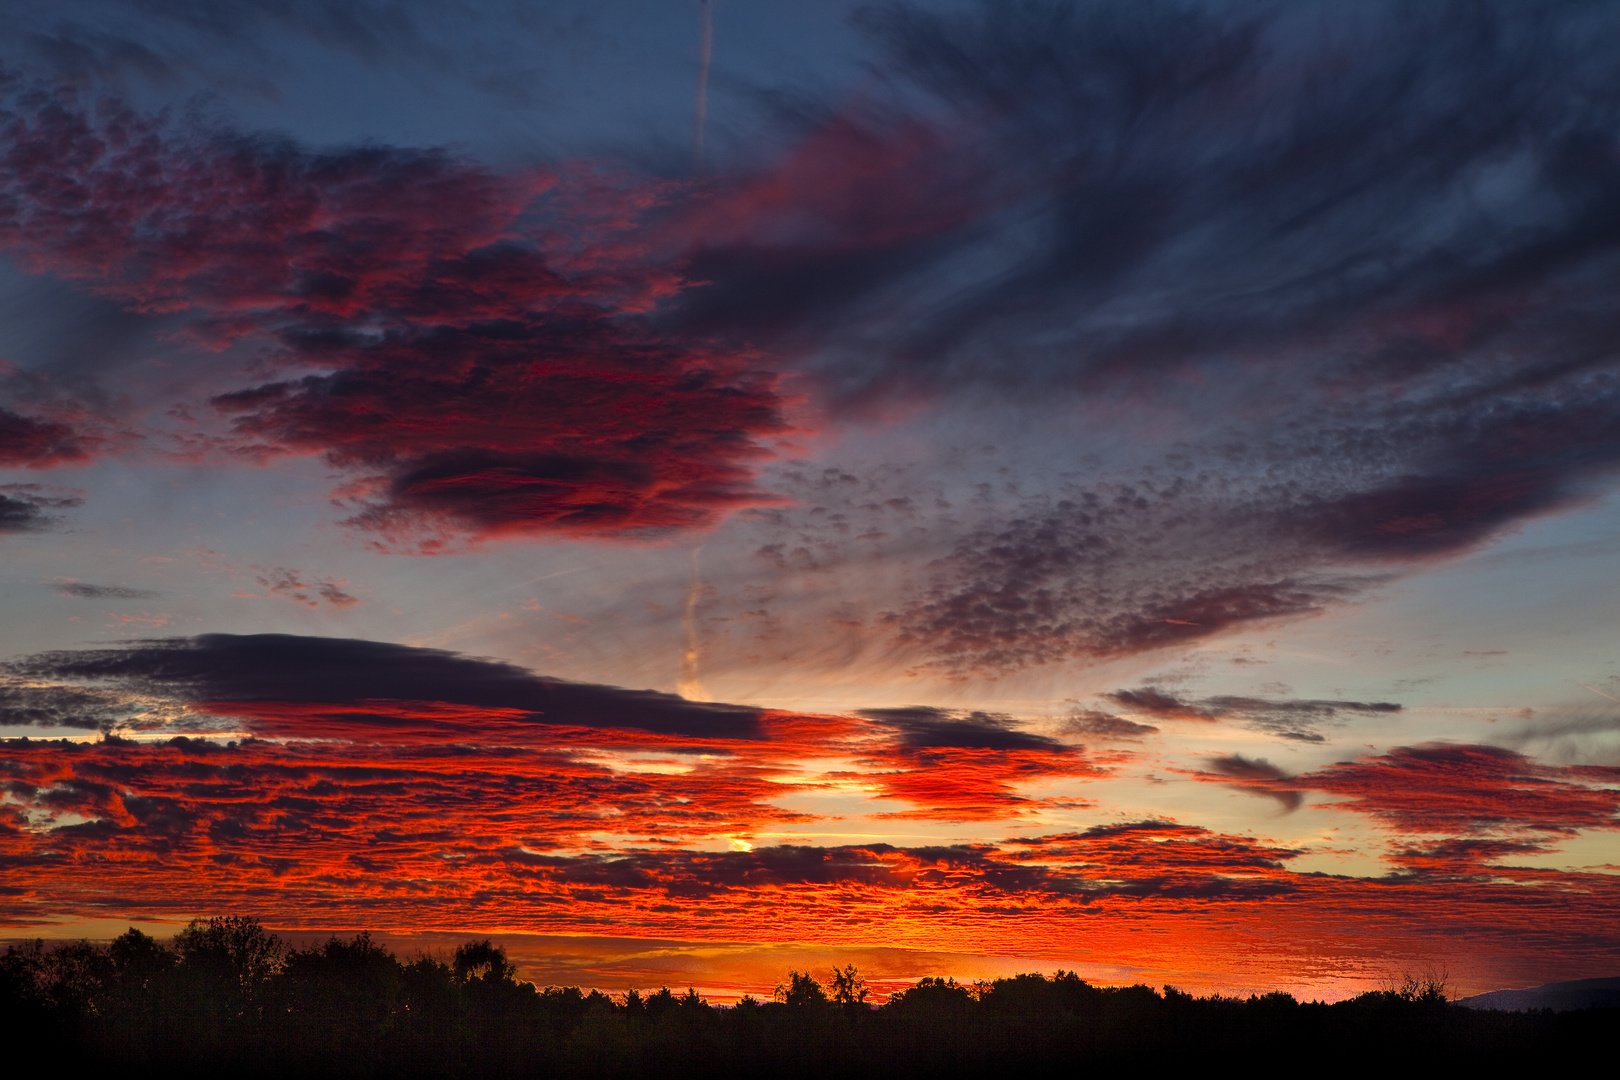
227 997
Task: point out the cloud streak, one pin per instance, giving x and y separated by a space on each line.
236 672
1465 791
1366 289
1294 719
81 590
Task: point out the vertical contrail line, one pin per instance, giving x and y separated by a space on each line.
688 685
705 49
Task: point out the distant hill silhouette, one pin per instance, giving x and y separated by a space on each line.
1559 997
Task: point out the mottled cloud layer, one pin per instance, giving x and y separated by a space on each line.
1472 790
481 357
1343 284
280 686
361 783
456 837
1357 268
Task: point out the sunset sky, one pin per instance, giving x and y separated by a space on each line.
958 487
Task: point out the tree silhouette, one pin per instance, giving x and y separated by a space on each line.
222 966
848 988
344 983
933 995
139 958
483 962
232 949
801 990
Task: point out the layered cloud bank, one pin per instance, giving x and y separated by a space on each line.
353 782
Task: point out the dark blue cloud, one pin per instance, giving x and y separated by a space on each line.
84 591
926 726
27 507
225 668
1364 258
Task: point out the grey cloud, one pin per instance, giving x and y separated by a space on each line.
1287 718
1257 776
1089 723
254 45
31 705
85 591
926 726
1241 768
26 507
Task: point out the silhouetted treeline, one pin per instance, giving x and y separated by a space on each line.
228 998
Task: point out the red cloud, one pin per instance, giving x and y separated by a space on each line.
26 441
1469 790
488 362
967 783
500 799
437 831
447 835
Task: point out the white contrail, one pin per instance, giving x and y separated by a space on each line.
543 577
688 685
1598 692
705 48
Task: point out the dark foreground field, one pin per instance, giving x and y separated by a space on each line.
226 998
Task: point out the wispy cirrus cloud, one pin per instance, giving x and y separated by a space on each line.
1288 718
1366 294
